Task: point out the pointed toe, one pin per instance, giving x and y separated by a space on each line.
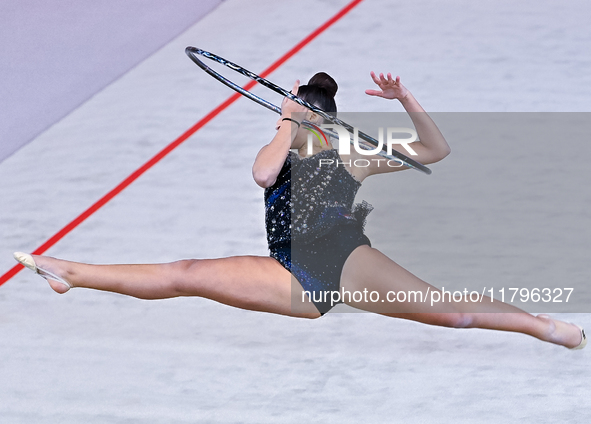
26 260
583 339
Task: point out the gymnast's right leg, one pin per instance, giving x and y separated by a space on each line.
249 282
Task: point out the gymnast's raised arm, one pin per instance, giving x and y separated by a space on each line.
271 157
432 146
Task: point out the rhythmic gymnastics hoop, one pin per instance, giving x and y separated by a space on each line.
192 52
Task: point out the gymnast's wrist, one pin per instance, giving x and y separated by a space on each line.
292 120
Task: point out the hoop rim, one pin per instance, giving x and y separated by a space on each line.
193 51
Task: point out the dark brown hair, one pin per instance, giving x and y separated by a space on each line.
320 91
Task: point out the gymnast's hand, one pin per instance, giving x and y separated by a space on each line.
289 106
390 89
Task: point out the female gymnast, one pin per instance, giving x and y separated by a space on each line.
316 239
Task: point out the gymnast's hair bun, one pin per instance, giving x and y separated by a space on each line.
325 81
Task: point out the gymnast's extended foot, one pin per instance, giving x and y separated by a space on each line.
43 266
563 333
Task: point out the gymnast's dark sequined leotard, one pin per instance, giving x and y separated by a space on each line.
312 225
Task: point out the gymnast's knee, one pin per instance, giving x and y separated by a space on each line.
457 320
183 273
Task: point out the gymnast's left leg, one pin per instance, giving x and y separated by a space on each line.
369 269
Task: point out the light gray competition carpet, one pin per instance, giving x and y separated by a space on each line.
506 208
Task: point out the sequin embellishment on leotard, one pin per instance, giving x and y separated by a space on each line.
309 199
322 196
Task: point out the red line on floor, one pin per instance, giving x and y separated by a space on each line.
138 172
